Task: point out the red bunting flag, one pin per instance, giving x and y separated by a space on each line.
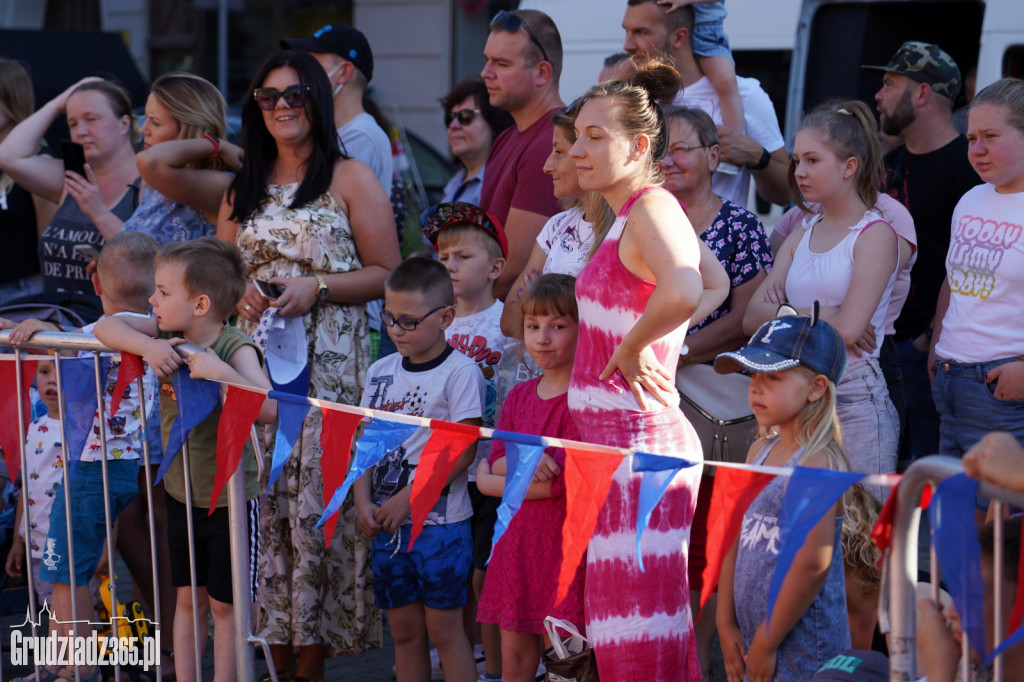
446 444
241 408
130 370
1017 614
9 394
336 436
734 490
881 534
588 478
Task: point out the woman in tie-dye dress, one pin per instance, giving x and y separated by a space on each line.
635 297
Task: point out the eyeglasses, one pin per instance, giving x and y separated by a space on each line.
507 21
465 116
408 324
295 96
677 148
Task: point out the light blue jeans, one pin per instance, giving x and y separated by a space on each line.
968 408
868 421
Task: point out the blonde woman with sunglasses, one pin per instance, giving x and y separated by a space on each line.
320 227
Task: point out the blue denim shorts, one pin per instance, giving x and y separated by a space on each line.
434 573
709 40
968 407
89 527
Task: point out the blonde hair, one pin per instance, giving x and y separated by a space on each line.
457 232
817 427
197 108
860 554
125 270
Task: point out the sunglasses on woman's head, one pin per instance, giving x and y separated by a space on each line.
464 116
295 96
507 21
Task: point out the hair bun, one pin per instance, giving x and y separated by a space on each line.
657 76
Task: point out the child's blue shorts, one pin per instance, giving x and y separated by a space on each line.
87 516
709 40
434 573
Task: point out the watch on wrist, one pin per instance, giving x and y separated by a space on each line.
321 288
762 163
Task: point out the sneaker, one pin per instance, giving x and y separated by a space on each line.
435 666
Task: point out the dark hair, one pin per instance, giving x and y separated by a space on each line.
125 269
613 59
682 17
248 189
639 114
497 119
698 119
424 276
546 33
1008 92
549 294
120 101
212 267
1011 545
849 130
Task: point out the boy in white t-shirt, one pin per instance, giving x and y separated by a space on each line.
424 590
473 247
45 474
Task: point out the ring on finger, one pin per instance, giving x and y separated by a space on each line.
248 307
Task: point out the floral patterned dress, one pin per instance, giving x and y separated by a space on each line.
309 593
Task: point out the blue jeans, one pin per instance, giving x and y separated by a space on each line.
921 432
20 288
968 407
868 421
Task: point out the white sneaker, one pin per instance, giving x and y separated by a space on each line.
435 665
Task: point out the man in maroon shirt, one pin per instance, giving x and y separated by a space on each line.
524 62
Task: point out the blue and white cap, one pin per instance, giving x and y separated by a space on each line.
786 342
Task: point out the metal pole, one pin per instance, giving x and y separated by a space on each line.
241 588
101 419
152 519
33 607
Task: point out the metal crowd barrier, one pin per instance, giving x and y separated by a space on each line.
239 538
902 564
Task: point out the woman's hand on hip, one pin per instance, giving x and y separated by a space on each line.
642 372
252 305
298 297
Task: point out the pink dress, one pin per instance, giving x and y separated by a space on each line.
639 622
520 587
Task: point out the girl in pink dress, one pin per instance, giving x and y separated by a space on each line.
636 297
521 578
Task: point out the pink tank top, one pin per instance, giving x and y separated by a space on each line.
611 299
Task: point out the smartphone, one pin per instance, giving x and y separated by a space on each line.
74 157
268 290
87 251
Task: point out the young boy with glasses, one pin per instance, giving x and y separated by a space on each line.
422 590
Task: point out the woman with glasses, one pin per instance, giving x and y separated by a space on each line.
319 226
636 296
471 124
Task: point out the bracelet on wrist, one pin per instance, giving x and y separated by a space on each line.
216 144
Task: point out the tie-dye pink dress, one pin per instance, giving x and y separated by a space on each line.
639 622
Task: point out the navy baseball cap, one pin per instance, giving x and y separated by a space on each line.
786 342
346 42
855 665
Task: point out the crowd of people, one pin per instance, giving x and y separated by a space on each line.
589 263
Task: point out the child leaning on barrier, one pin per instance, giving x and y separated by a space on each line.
123 280
198 285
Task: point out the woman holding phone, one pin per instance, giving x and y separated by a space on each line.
93 207
318 224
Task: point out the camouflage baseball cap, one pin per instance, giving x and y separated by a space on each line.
925 63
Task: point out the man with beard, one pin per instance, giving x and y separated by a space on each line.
928 174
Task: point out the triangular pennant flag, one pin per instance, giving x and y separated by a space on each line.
1016 632
810 494
195 400
379 438
659 471
520 465
336 436
240 411
291 414
588 478
9 396
130 370
446 444
78 382
955 539
733 492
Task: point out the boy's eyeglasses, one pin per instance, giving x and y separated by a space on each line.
464 116
295 96
408 324
507 21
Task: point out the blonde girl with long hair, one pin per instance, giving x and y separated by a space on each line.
795 362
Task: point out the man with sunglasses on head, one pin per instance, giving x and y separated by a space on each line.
345 55
523 63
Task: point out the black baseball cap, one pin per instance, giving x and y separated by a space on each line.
346 42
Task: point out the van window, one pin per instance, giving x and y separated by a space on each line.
1013 61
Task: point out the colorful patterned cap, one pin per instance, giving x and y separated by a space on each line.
786 342
925 63
346 42
434 221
